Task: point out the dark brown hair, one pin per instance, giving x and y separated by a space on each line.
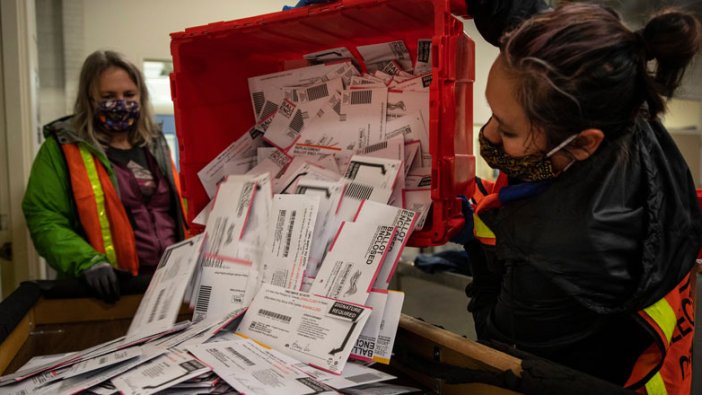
84 109
580 67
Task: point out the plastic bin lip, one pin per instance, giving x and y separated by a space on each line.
297 13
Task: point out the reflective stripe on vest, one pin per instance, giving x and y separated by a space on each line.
99 208
662 313
89 163
656 386
482 232
665 367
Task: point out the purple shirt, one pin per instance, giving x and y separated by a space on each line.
146 197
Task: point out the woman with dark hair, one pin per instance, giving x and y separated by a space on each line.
102 195
585 243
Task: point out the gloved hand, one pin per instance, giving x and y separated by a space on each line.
102 279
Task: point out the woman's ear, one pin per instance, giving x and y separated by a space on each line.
586 144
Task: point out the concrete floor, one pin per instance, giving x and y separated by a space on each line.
440 299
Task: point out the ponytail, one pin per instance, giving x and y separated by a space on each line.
672 37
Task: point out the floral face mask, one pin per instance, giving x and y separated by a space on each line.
117 115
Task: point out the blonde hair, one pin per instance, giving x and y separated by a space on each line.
84 109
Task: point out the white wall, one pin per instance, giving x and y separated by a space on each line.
140 29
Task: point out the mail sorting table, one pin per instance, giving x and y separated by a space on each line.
50 317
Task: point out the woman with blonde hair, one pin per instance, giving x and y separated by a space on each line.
103 192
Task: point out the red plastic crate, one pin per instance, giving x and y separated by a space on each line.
213 62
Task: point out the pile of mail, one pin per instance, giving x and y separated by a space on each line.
329 122
254 330
289 280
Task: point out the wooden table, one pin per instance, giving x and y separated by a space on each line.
423 352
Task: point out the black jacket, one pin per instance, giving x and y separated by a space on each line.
608 237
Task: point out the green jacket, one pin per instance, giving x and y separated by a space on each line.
49 207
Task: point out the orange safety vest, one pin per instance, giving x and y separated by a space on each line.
665 367
100 210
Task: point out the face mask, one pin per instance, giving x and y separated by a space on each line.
534 167
116 115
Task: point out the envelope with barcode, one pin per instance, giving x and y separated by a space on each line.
222 286
261 86
365 110
316 330
227 220
159 307
354 261
253 369
289 239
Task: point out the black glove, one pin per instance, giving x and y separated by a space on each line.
102 279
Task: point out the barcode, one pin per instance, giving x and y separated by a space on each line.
317 92
359 191
361 97
203 298
337 109
288 238
258 100
376 147
423 51
268 109
364 377
158 302
297 122
274 315
191 366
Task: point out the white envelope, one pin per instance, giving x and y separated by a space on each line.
227 220
158 309
365 345
222 287
376 55
413 128
353 261
378 173
354 374
275 165
329 54
366 110
264 152
412 155
261 86
159 374
388 327
290 180
316 330
329 194
403 220
419 201
420 83
289 239
253 369
409 103
286 125
235 159
366 82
